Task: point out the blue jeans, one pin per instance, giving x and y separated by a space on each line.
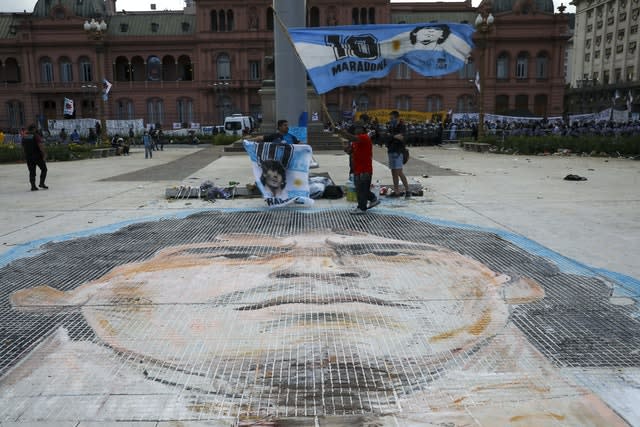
148 153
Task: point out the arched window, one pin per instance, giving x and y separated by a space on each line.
46 70
314 17
522 65
185 68
363 15
224 106
213 20
270 19
15 114
138 69
468 70
155 110
154 68
124 109
372 15
184 107
122 69
169 69
355 16
522 102
88 107
434 103
85 68
49 109
332 16
253 23
66 70
11 71
222 21
502 66
540 105
403 72
230 20
542 66
465 104
223 66
363 103
403 102
502 104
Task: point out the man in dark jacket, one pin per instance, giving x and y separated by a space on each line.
35 155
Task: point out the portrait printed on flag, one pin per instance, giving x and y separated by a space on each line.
351 55
281 170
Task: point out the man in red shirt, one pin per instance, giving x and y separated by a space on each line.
361 151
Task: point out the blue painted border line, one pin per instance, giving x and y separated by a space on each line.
626 285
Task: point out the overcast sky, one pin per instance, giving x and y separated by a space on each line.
22 5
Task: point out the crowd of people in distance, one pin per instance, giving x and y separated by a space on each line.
438 132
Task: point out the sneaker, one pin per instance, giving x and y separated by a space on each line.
373 203
43 186
407 195
357 211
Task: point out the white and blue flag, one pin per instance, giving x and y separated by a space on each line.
351 55
281 171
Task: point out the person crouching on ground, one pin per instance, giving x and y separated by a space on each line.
361 151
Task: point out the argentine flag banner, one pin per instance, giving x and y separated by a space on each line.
350 55
281 171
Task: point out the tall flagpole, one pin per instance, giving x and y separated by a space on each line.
291 76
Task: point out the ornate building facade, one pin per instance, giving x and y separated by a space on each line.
606 67
210 60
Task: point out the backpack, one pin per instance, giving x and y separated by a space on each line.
405 155
333 192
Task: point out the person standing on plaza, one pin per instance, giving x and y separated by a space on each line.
148 145
361 151
131 136
35 155
395 148
75 137
63 136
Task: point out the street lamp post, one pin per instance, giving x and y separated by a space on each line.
484 23
96 30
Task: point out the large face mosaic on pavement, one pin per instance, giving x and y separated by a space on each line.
297 314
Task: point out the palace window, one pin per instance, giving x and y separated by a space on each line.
254 70
522 65
66 70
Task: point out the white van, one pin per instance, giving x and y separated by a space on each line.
238 125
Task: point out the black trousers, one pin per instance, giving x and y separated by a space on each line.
32 162
363 190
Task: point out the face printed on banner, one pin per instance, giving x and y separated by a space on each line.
273 176
429 37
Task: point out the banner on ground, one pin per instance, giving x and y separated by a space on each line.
351 55
281 171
